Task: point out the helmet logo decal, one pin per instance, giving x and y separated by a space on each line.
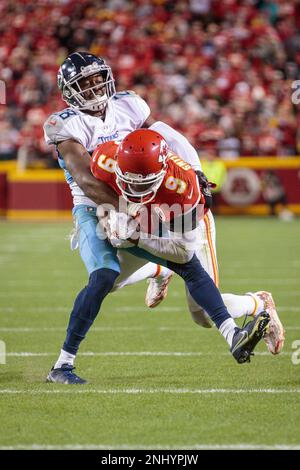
163 152
90 69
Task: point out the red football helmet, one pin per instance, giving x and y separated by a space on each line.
141 165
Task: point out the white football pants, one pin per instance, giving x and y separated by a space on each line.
134 269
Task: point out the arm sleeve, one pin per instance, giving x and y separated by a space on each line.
178 143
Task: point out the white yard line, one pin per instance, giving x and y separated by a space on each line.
108 353
67 309
135 353
38 294
37 282
237 446
257 265
271 269
149 391
9 309
263 281
124 293
111 328
96 328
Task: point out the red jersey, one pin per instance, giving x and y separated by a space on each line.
178 194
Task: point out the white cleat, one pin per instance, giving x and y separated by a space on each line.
275 335
157 290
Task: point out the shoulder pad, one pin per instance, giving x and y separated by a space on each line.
57 121
53 126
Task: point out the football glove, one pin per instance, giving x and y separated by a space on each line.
119 227
133 208
205 187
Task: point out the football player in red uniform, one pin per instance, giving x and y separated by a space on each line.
166 186
154 180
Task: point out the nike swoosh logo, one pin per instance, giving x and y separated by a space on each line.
241 341
191 193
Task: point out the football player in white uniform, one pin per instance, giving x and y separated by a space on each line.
97 114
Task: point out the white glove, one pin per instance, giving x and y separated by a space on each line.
118 243
133 208
119 227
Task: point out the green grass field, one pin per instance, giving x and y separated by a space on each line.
156 379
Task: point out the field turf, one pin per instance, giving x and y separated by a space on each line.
156 379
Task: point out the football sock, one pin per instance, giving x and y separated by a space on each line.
87 306
161 271
203 289
227 330
145 272
240 305
64 358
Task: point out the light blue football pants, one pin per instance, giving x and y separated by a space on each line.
96 252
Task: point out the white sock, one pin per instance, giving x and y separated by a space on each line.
227 329
162 272
64 358
146 272
240 305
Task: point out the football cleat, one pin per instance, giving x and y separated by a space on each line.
245 339
275 336
157 290
64 375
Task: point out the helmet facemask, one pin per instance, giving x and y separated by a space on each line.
139 188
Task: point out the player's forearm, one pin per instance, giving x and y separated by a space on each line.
97 191
77 161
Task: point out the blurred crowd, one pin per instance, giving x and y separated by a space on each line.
220 71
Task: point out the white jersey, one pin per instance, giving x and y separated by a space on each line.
178 143
125 112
